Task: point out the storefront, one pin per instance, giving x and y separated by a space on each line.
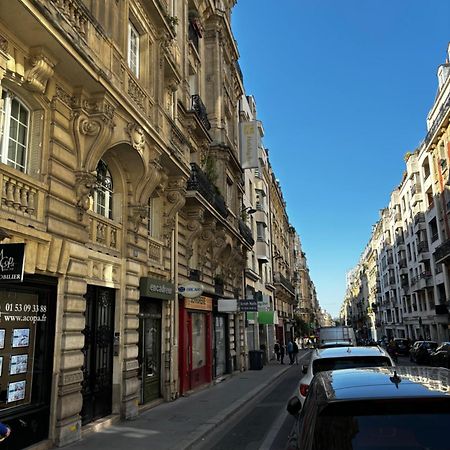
195 342
27 333
153 292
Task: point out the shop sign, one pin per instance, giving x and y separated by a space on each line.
203 303
12 262
155 288
248 305
227 305
190 289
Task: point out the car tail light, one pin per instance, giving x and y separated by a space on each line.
304 389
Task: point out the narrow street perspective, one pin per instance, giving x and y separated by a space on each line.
224 224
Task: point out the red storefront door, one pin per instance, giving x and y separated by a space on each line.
196 352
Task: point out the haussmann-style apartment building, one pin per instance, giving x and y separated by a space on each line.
401 285
125 231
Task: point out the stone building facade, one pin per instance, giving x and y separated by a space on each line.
410 241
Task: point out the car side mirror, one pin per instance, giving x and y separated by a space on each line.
305 369
294 406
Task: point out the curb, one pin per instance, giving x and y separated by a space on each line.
219 419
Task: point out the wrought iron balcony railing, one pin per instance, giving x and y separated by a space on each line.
442 253
199 182
279 278
200 109
246 233
422 247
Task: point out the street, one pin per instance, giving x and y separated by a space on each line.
263 423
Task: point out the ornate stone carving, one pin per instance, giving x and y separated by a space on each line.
63 95
175 198
41 69
84 186
3 44
137 136
92 126
194 229
137 215
206 240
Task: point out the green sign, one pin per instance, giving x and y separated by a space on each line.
155 288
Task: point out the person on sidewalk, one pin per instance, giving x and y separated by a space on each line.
282 353
296 352
276 349
290 350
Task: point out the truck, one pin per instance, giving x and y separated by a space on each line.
336 337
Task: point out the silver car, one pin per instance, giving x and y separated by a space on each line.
341 358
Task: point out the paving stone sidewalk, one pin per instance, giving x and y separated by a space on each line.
179 424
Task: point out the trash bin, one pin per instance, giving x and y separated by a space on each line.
256 359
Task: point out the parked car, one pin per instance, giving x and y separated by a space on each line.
441 356
341 358
421 350
402 346
374 408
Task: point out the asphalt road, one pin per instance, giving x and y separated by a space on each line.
263 424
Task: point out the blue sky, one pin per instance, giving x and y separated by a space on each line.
343 88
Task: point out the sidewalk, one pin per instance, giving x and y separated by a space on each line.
179 424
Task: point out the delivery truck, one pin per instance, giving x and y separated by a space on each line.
336 337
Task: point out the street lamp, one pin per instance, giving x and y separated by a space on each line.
248 210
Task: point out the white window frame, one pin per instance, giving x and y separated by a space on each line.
5 136
104 209
133 53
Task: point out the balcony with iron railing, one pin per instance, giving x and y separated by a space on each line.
420 218
199 182
422 247
442 253
280 279
200 110
246 233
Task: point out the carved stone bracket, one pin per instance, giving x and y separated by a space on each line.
220 241
137 215
206 239
84 187
175 198
92 126
194 229
40 70
137 136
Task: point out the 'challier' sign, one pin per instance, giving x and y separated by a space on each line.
11 263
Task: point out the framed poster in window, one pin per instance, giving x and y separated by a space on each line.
21 337
2 338
18 364
16 391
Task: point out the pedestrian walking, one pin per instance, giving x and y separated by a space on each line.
276 349
282 353
290 350
296 353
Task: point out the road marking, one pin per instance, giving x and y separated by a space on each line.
276 426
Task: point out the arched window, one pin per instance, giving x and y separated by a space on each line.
15 118
103 193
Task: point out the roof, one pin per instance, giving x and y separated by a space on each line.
384 382
342 352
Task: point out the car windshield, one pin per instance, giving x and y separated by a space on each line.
397 427
430 345
349 362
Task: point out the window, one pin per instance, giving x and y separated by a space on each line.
260 233
103 193
426 169
133 49
14 134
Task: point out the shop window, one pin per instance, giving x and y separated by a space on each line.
15 118
198 340
133 49
103 192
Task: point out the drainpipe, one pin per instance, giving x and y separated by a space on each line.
173 351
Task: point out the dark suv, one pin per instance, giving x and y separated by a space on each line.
374 408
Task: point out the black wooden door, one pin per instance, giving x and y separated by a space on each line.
98 354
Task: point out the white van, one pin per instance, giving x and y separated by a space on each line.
336 337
